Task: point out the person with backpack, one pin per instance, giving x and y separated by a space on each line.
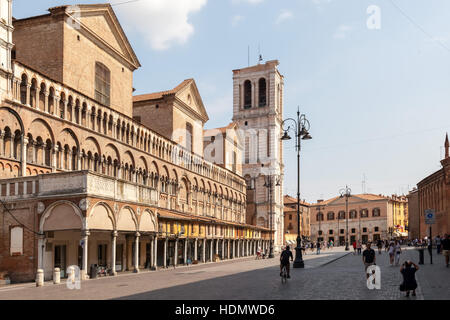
285 256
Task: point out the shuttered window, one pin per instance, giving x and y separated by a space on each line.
102 84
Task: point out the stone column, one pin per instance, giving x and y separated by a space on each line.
155 252
54 158
136 253
46 95
238 249
11 146
113 253
28 95
186 242
175 256
41 250
24 156
61 159
195 249
79 155
165 252
217 246
2 146
72 116
84 267
204 251
223 249
211 250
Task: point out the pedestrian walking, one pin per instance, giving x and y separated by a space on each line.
408 271
437 240
398 251
391 253
354 247
318 247
369 258
379 245
359 247
386 245
446 248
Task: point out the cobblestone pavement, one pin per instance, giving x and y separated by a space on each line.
331 275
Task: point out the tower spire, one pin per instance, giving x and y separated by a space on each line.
447 147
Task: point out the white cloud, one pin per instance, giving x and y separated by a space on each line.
283 16
342 31
162 23
236 19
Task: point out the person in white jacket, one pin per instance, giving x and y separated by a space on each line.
398 251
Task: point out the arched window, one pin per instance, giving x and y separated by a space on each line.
330 216
319 216
341 215
33 90
353 214
102 84
262 92
247 94
364 213
376 212
51 100
23 89
189 137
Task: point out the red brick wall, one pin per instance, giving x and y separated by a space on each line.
19 268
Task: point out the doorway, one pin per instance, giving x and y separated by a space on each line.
60 259
365 238
119 257
101 256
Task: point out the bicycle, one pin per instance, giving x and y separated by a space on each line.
283 275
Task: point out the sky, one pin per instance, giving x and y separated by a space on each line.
371 76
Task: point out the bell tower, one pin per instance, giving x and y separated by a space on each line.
6 46
258 113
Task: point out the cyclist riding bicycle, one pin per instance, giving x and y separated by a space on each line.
284 261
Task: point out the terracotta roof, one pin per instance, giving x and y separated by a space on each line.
161 94
291 200
365 196
222 130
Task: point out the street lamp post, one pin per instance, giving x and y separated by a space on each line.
269 183
346 192
301 128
